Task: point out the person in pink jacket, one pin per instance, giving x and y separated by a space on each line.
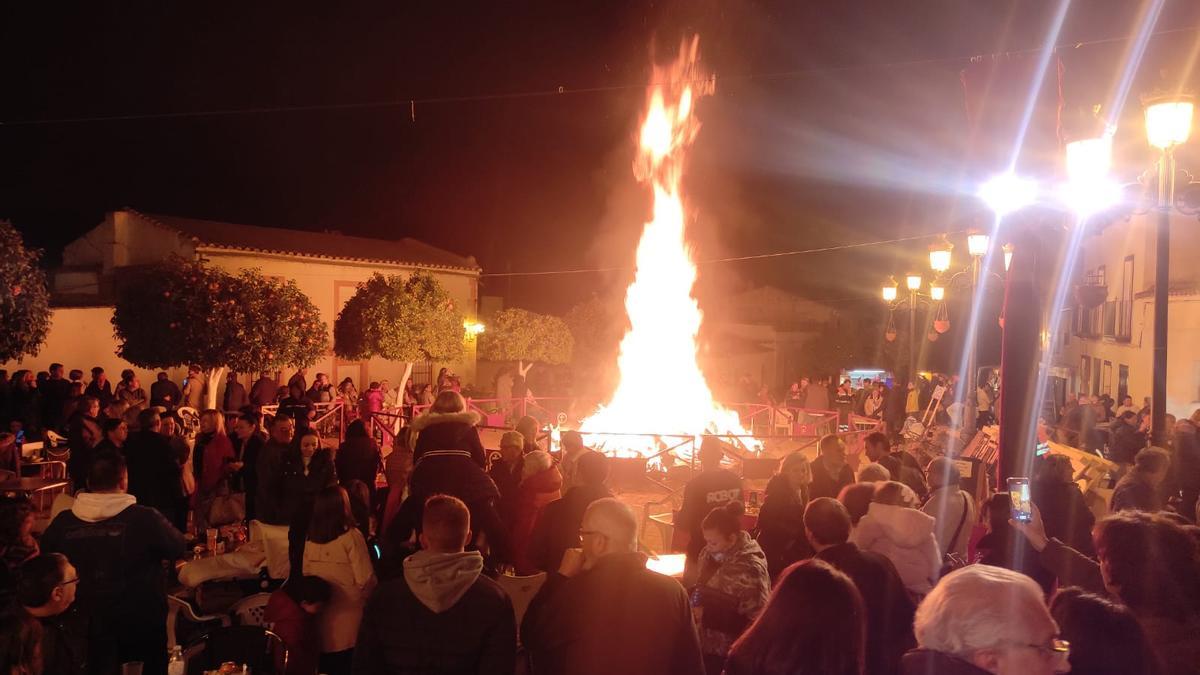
895 529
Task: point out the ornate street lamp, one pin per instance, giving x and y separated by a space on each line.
1168 124
939 254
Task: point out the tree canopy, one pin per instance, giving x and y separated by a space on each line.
520 335
184 312
24 299
399 319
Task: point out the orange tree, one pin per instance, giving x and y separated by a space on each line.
400 319
184 312
24 299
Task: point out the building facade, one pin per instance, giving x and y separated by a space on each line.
326 266
1108 348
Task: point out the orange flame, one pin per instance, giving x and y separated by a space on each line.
660 348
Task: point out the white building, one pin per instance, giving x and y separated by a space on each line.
326 266
1110 347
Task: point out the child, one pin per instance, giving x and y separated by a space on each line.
291 614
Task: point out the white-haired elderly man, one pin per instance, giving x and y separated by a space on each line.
604 613
983 619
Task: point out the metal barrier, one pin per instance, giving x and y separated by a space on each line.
330 417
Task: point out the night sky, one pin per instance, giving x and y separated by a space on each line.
808 141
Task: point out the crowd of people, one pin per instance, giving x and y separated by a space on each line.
889 401
890 566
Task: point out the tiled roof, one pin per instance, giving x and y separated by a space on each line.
327 245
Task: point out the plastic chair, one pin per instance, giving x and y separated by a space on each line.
521 590
179 608
249 611
254 646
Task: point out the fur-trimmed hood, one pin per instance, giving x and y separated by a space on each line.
448 431
428 419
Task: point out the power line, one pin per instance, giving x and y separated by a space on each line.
759 256
412 102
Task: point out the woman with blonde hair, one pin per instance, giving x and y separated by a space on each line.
781 519
212 462
895 529
448 426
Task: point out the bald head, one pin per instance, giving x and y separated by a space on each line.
609 526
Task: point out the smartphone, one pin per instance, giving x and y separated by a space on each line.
1022 506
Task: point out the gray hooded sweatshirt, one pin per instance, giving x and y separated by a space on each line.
439 580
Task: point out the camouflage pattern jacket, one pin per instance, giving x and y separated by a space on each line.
732 590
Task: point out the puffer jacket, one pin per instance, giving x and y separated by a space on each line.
904 536
448 431
533 495
732 590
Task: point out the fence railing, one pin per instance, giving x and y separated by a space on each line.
330 418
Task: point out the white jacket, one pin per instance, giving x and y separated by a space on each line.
904 536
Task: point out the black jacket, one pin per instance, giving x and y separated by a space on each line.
359 459
889 608
448 431
508 481
269 473
235 397
1065 514
701 495
401 636
64 643
298 487
557 529
617 618
1134 493
824 485
1127 441
928 662
121 579
781 526
165 393
1185 464
154 475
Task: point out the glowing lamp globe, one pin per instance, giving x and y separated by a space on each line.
1088 188
937 291
889 291
1169 121
977 244
913 282
1007 193
1008 251
939 255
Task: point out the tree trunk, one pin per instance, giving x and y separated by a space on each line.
523 369
408 368
210 387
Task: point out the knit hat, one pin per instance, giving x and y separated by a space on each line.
513 438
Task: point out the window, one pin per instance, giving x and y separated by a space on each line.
1096 377
1085 374
1122 382
1108 377
1124 319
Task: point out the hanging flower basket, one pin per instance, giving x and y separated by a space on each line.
941 325
890 335
1090 296
933 336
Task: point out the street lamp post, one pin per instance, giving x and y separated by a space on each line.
913 281
1168 124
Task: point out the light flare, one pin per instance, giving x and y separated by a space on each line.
661 389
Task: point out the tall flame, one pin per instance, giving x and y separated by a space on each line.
664 317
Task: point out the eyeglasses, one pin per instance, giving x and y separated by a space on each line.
70 581
585 533
1058 648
